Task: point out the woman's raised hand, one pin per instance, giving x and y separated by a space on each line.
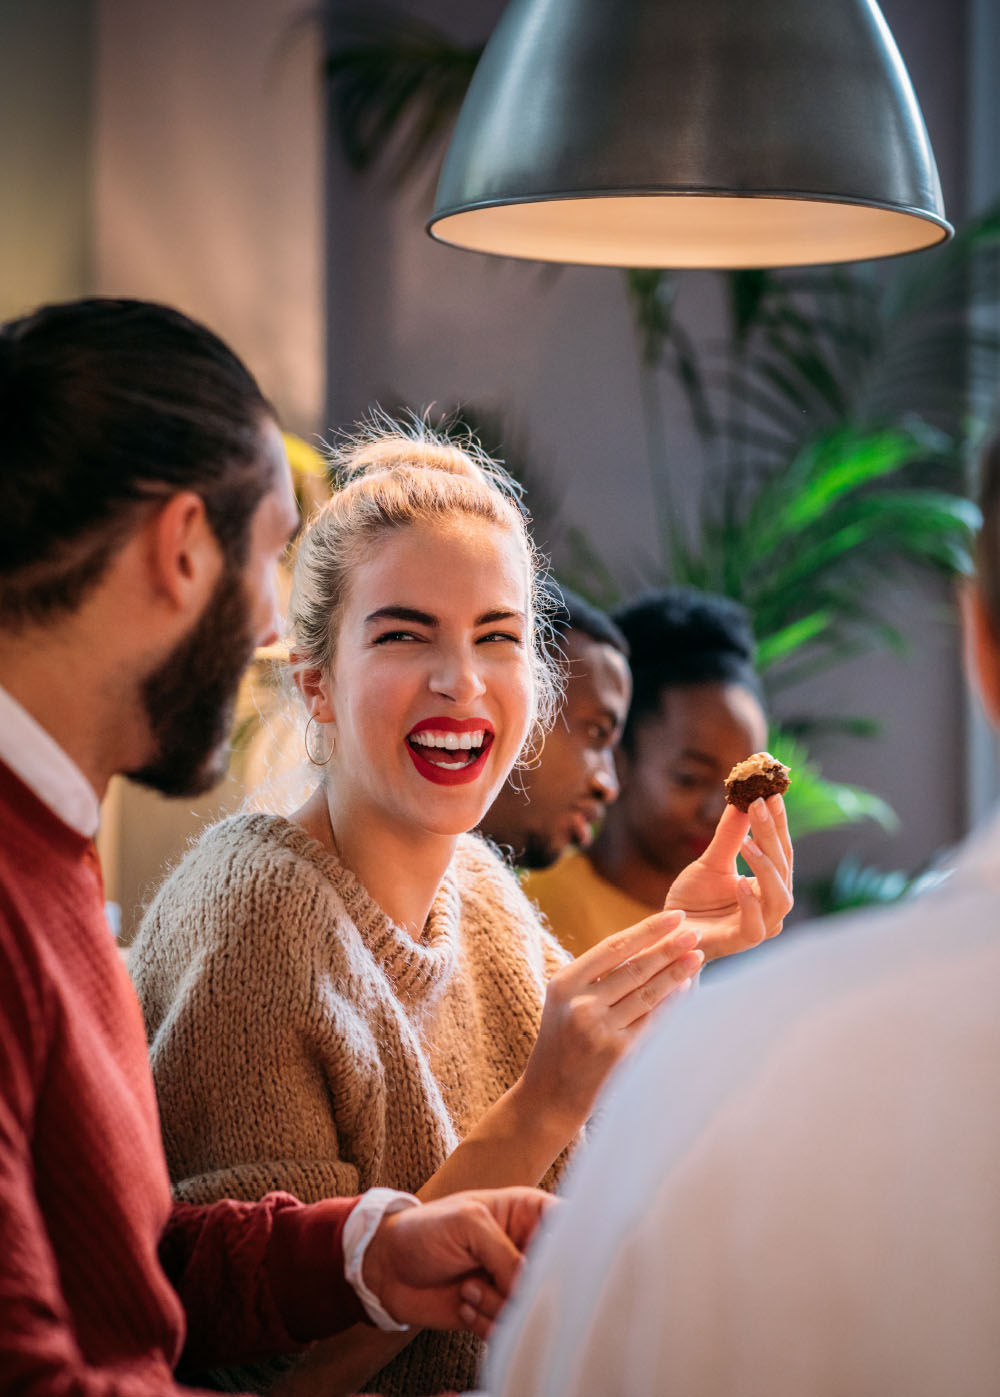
595 1006
732 913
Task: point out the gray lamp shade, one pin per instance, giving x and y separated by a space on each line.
690 133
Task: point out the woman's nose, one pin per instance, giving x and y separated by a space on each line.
456 677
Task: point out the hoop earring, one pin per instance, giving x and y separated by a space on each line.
305 743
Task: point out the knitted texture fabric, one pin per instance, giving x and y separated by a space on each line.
300 1040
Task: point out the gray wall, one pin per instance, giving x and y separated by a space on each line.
45 151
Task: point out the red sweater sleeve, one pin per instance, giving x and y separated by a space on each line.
86 1224
258 1279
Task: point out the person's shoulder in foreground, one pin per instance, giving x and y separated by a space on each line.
819 1210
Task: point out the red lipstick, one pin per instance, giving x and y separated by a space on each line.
449 775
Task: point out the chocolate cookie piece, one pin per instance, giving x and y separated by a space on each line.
759 775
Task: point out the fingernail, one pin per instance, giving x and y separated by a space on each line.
760 809
467 1315
472 1292
686 940
752 845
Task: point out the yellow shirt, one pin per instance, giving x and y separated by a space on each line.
581 906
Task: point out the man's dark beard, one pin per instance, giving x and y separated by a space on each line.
538 852
190 698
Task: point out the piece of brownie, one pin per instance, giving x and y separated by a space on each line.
760 775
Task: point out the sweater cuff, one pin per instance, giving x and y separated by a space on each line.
305 1269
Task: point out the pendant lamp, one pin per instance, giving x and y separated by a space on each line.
690 133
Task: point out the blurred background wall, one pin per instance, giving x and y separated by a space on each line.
180 152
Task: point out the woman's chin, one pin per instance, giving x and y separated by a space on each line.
445 812
456 809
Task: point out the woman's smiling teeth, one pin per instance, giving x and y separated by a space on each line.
439 747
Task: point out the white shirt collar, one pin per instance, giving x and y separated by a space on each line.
42 764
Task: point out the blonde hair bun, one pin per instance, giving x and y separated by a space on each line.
393 452
382 445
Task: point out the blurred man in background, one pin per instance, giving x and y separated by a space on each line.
555 803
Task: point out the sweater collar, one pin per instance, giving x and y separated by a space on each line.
414 968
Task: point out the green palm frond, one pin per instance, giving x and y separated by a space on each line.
809 549
814 803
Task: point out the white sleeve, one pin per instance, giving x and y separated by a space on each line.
359 1229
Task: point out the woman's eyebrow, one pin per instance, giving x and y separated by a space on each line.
402 613
424 618
488 617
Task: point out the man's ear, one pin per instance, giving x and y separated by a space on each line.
314 686
982 649
185 555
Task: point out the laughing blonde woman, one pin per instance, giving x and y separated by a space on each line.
360 994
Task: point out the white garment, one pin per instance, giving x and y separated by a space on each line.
42 764
795 1187
59 783
361 1225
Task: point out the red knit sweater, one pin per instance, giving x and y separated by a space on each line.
98 1271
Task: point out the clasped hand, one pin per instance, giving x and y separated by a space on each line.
451 1264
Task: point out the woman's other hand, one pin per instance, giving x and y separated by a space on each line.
732 913
595 1006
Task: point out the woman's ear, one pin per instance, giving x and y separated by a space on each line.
982 649
314 686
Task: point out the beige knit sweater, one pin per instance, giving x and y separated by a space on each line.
300 1040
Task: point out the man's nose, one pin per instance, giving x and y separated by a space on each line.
269 632
605 778
267 610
